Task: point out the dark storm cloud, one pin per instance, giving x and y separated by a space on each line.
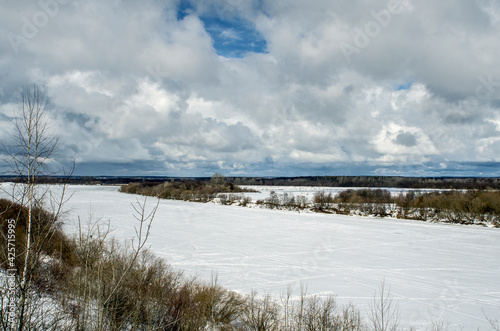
406 139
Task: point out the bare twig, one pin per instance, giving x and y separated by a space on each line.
142 233
383 315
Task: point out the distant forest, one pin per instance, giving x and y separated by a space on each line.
322 181
376 181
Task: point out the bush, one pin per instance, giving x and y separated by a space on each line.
46 235
188 190
245 201
284 201
466 207
261 314
322 200
364 196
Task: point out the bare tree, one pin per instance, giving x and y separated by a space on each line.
495 323
383 315
31 151
218 179
322 200
35 147
30 154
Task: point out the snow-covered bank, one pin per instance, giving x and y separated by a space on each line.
436 272
308 191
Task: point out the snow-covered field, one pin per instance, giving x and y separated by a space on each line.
435 272
308 191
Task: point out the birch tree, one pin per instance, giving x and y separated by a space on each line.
28 156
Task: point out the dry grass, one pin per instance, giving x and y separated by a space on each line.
84 277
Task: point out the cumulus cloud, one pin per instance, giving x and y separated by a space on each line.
261 87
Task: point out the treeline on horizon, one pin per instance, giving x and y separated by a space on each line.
481 183
376 181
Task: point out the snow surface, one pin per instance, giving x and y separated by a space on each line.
308 191
436 272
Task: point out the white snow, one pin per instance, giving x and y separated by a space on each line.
308 191
436 272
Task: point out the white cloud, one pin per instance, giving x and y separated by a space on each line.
230 34
406 143
130 82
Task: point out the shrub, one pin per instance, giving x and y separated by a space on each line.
454 206
245 201
322 200
364 196
261 315
46 234
301 201
273 201
188 190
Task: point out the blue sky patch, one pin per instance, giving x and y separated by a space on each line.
185 9
406 86
232 36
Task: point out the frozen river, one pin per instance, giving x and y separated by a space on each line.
435 272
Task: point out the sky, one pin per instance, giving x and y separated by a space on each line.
260 87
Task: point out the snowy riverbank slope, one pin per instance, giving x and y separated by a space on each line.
436 272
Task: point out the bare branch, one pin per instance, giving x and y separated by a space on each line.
383 315
142 236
